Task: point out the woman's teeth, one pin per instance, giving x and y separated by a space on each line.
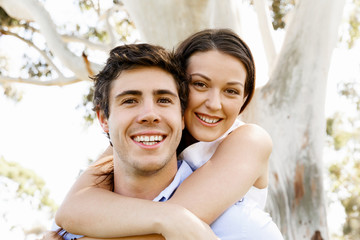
208 120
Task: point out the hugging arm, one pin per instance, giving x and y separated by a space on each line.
237 164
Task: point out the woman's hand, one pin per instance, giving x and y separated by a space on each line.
181 224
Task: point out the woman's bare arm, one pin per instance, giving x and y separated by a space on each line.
239 162
133 216
54 236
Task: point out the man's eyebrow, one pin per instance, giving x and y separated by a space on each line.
164 92
128 92
208 79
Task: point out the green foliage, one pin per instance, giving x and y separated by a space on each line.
6 20
11 92
86 5
87 106
29 183
351 91
354 23
279 9
344 135
36 68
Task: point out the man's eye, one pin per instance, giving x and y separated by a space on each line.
164 100
129 101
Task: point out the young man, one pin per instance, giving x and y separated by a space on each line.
137 99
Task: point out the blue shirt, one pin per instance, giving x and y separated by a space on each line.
242 221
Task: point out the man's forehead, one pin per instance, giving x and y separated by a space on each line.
144 80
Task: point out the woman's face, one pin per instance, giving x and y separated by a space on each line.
216 94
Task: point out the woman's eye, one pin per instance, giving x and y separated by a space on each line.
199 84
232 91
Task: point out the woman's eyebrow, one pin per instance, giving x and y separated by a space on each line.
235 83
208 79
201 75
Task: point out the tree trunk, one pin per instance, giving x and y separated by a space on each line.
290 107
166 23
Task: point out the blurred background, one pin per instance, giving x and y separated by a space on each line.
48 133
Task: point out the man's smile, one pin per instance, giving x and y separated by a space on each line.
148 139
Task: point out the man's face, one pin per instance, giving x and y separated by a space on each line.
145 122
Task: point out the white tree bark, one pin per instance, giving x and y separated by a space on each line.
166 23
291 107
266 31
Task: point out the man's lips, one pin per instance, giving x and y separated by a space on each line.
149 139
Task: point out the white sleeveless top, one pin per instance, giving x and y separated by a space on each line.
199 153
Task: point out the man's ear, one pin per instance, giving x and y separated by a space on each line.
182 123
103 120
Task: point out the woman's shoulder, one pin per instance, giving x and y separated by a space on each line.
251 129
251 134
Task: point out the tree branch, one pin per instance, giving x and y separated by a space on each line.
36 12
266 31
54 82
86 42
31 44
109 27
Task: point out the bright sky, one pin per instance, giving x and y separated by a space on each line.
45 131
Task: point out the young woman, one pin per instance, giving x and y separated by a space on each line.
231 157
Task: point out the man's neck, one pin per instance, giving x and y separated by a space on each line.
141 185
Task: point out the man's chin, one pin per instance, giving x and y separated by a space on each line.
149 168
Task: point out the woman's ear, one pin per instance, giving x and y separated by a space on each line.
103 120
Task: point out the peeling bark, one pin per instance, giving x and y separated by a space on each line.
317 236
299 184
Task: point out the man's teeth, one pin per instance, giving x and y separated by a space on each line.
149 140
208 120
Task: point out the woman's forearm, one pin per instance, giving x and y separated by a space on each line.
237 164
112 215
144 237
98 212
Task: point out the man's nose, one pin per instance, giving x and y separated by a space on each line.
213 100
148 113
